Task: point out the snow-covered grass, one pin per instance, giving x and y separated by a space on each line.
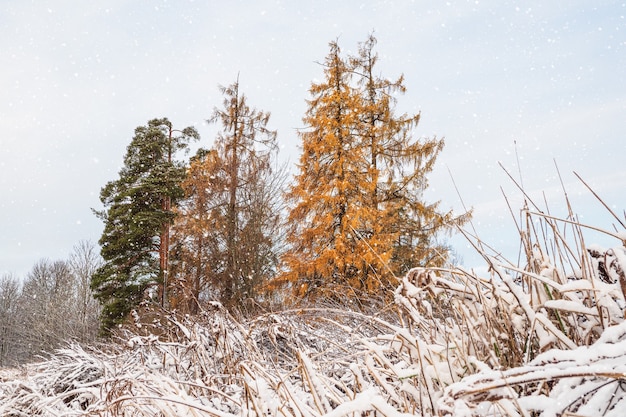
544 337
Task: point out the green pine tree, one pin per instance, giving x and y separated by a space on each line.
137 217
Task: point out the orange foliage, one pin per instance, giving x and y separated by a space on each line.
356 217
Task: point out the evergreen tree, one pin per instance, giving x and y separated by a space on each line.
358 219
137 218
228 223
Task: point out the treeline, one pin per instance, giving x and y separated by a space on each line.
227 225
52 305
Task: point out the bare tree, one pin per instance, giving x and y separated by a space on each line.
83 263
45 308
226 231
56 304
9 294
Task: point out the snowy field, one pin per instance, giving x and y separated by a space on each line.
544 338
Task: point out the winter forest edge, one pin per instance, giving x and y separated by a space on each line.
224 288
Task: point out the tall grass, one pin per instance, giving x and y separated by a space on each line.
542 336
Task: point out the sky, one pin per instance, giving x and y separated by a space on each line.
537 88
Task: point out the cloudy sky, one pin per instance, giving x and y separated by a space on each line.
542 83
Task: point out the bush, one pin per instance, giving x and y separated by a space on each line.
544 338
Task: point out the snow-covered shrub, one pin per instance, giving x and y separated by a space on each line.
585 381
544 338
566 316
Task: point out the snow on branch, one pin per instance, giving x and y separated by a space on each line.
546 338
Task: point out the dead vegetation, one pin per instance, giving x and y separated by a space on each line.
545 336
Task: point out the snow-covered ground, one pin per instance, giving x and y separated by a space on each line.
11 374
546 338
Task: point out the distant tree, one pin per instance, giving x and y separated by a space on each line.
227 228
9 300
357 217
137 219
83 262
46 308
53 306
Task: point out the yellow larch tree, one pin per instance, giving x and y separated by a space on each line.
399 165
357 217
332 224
